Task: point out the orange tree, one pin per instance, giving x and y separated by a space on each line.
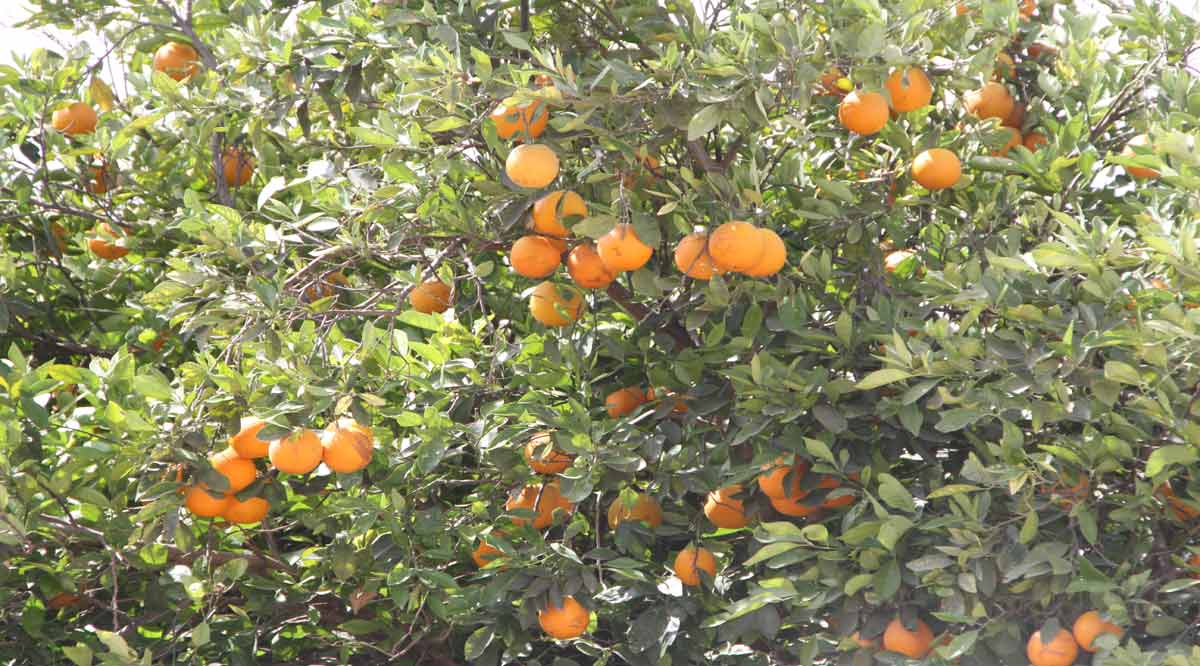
876 338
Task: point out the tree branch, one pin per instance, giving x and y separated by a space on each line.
672 326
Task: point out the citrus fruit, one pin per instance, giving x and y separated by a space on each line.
252 510
532 166
534 256
1139 141
237 166
863 112
1090 625
521 120
543 458
690 561
177 60
910 89
991 101
937 169
623 401
107 245
239 471
1060 651
773 258
644 508
1035 140
736 246
794 506
914 644
202 504
691 256
566 621
1014 140
545 506
298 453
347 446
431 296
549 211
75 119
555 305
484 553
621 250
587 269
724 509
771 481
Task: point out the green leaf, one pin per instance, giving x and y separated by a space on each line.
892 530
704 121
372 136
1121 372
880 378
819 450
79 654
957 419
153 386
200 635
953 489
446 124
477 642
770 550
894 494
1165 456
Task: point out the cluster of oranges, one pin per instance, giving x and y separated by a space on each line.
733 247
344 446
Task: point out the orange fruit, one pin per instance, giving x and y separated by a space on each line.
555 305
1015 118
177 60
736 246
105 248
644 508
1034 140
690 561
78 118
549 211
621 250
830 483
960 9
237 166
773 258
892 261
59 233
1028 7
771 481
1037 49
298 453
829 81
587 269
347 446
1090 625
691 256
430 296
551 499
1005 67
63 600
252 510
239 471
864 642
202 504
937 169
794 506
1182 510
1061 651
542 462
623 401
99 182
910 90
647 170
914 644
991 101
532 166
484 553
725 510
1194 562
246 442
534 256
1140 141
863 112
522 121
1014 140
564 622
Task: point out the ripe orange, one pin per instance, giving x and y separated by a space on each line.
298 453
1061 651
555 305
1037 49
863 112
1183 511
623 401
1014 140
430 296
103 247
1015 118
831 483
564 622
1034 140
725 510
239 471
771 481
736 246
202 504
484 553
1090 625
532 166
1139 141
99 181
534 256
690 561
910 90
644 508
78 118
1005 67
991 101
914 644
1028 7
794 506
587 269
937 169
621 250
540 461
63 600
647 170
252 510
691 256
829 82
522 121
246 442
773 258
960 9
237 166
549 211
864 642
177 60
347 446
551 499
1194 562
59 234
324 287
